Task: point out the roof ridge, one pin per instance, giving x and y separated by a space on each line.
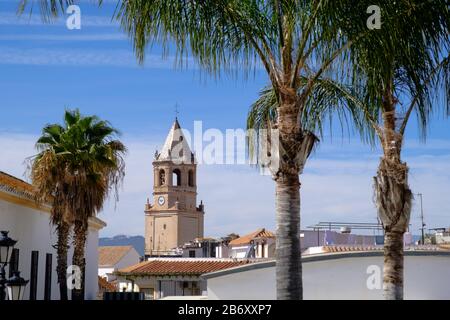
17 186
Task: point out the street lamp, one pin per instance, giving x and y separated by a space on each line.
6 248
421 217
16 286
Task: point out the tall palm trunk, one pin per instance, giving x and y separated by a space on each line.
288 255
393 198
295 146
79 240
394 206
62 229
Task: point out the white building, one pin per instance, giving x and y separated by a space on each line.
315 238
113 258
258 244
347 274
29 224
443 237
199 248
158 278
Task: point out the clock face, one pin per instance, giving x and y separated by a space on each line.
161 200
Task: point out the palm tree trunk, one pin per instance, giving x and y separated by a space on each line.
393 199
393 266
61 248
80 236
394 208
294 148
288 255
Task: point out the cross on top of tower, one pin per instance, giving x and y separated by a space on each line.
176 110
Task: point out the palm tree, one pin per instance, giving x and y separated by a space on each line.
412 76
403 74
290 40
48 174
78 165
295 42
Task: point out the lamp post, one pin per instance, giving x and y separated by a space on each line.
16 286
421 217
6 248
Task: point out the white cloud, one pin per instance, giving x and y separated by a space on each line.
69 36
79 57
12 19
238 199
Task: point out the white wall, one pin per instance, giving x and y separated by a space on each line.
170 286
238 252
91 254
129 259
426 277
33 231
106 272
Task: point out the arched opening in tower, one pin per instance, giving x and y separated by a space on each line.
162 177
176 177
191 178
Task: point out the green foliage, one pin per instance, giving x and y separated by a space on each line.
49 9
77 165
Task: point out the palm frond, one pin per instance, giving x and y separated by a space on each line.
329 100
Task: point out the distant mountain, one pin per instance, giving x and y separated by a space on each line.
138 242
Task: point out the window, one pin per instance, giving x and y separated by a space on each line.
162 177
191 253
176 177
191 178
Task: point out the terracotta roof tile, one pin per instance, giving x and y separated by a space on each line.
181 266
343 248
260 233
110 255
15 185
333 249
105 285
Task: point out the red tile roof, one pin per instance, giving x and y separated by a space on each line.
180 266
260 233
15 185
110 255
333 249
23 189
343 248
105 285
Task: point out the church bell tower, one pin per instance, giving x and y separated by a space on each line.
174 217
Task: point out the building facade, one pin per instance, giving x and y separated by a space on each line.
159 278
174 218
259 244
352 275
34 254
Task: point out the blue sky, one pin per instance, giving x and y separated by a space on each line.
45 68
